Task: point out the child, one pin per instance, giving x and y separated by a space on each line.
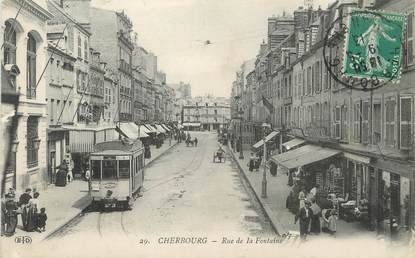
42 217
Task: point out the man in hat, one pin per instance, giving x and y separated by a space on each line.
23 202
304 215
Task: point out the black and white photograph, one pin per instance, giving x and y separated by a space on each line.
207 128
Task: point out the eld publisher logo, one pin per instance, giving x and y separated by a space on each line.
23 240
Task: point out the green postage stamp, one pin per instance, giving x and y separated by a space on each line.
373 47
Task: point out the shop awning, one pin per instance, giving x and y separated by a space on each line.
160 128
151 128
81 141
144 129
293 143
191 124
131 130
303 156
267 138
166 127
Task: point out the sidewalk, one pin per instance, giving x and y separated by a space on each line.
65 203
278 190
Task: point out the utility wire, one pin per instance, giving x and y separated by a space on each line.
51 56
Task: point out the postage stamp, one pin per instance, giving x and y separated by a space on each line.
373 46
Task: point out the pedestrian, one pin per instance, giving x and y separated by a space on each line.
41 222
304 216
251 164
301 198
273 169
61 175
23 203
290 178
195 142
315 218
313 190
330 221
258 161
10 214
33 212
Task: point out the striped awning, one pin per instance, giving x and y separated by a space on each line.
166 127
144 129
131 130
81 141
160 128
151 128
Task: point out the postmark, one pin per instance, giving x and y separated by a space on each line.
363 48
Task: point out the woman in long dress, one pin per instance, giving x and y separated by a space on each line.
32 213
10 215
315 218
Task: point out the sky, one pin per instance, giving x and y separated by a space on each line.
176 31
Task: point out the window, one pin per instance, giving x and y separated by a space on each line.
410 40
124 168
390 121
344 130
109 169
79 47
9 44
31 67
96 169
337 115
377 122
309 81
85 50
406 122
357 122
32 141
365 122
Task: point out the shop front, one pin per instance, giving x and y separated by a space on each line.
56 150
379 193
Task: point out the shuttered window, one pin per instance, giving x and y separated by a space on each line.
365 122
377 122
410 40
405 122
390 121
337 118
344 128
356 122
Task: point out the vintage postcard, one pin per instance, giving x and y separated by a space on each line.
207 128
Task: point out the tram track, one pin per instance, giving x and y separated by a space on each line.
102 225
182 172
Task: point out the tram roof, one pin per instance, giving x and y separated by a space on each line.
117 147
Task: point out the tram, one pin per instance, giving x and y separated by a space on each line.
117 173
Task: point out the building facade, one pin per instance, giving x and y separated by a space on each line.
372 130
23 60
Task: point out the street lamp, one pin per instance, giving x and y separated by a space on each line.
264 175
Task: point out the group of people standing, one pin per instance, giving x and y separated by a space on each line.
314 218
33 217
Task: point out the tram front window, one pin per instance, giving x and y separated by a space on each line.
96 169
124 168
109 169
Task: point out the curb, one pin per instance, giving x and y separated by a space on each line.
275 224
61 225
161 154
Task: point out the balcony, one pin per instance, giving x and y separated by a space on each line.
125 67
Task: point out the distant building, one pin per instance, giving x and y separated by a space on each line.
206 113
